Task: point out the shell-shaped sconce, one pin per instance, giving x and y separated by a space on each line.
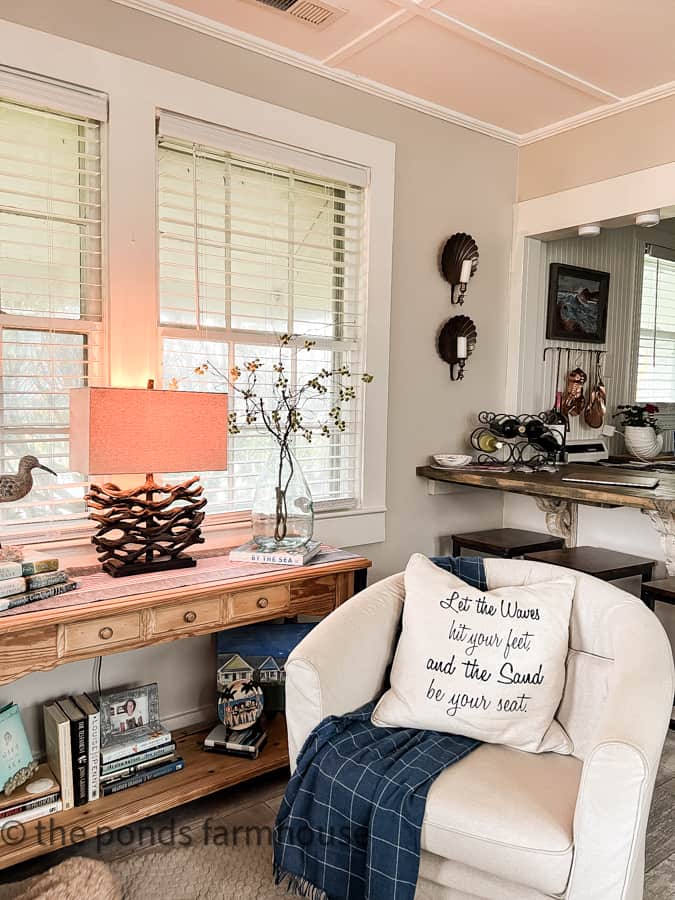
459 263
456 342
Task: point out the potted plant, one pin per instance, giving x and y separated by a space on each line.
283 512
640 429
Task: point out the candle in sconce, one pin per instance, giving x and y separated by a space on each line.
462 348
465 273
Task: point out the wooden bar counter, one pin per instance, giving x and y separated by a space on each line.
559 499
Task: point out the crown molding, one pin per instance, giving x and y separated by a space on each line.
644 98
219 30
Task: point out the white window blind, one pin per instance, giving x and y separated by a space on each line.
50 297
656 356
249 249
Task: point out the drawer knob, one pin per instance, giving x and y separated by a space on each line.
190 617
262 602
105 633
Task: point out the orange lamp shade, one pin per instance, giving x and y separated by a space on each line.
129 431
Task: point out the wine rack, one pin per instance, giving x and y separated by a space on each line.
528 440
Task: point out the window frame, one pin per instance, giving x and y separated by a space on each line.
136 93
232 337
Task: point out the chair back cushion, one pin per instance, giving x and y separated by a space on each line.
590 659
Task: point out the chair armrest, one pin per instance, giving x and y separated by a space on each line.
618 775
343 662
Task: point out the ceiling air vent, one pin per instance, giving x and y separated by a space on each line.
317 15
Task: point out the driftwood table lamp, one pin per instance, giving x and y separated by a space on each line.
128 431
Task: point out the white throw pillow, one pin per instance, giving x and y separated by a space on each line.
488 665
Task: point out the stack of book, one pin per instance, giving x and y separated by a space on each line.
73 741
41 796
126 764
37 577
251 552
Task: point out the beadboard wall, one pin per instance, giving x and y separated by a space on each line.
617 251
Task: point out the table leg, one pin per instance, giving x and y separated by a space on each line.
561 518
663 519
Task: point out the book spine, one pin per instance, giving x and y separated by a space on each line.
78 749
126 762
31 814
94 749
136 767
46 579
66 757
10 570
34 596
116 752
30 804
12 586
57 740
36 566
142 777
268 558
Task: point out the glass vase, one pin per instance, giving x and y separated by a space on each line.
283 512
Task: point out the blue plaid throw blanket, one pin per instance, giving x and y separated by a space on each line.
350 822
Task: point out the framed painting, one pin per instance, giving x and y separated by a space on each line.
577 304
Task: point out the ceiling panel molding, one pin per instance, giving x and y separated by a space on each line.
445 20
363 40
210 27
601 112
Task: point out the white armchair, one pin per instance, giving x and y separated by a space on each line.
502 824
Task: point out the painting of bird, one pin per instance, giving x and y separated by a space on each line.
14 487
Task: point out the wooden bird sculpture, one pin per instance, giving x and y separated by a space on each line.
14 487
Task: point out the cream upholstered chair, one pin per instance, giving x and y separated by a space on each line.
503 824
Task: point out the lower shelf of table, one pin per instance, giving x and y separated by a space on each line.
204 773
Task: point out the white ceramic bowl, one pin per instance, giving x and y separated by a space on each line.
450 460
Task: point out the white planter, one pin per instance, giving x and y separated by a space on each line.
642 442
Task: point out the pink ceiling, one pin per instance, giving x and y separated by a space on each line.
517 64
622 45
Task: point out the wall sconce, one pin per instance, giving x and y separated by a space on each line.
459 263
456 342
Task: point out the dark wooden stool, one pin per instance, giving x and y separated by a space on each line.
609 565
507 543
662 590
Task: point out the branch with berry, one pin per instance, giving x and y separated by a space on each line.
282 413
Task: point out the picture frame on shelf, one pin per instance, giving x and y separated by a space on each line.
124 712
577 304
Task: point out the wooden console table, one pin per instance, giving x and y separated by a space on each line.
559 499
39 639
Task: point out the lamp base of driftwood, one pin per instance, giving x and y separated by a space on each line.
148 528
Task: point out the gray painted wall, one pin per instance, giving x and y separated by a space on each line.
447 179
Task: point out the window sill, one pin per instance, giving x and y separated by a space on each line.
339 528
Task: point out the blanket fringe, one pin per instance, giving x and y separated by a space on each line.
298 886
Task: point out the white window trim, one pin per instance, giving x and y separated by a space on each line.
136 92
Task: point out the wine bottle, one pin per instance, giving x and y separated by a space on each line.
488 443
506 428
534 429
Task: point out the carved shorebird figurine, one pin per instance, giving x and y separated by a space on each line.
14 487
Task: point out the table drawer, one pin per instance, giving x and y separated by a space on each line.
186 616
261 603
102 633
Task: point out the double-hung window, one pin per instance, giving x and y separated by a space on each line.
257 240
51 291
656 356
